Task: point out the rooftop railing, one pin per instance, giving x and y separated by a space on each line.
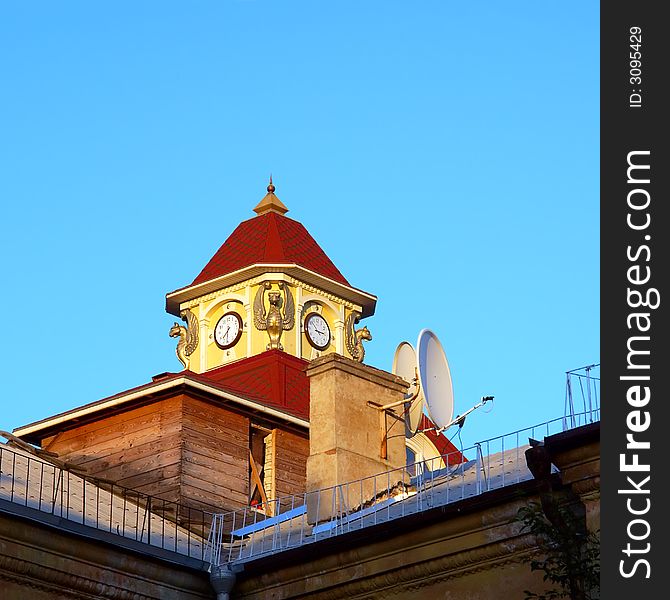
582 393
40 485
288 522
248 533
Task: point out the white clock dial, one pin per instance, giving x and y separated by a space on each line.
317 331
228 330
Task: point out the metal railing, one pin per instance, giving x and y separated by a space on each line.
582 392
292 521
248 533
40 485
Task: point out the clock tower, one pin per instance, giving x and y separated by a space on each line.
268 340
270 286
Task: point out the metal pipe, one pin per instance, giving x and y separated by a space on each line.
223 580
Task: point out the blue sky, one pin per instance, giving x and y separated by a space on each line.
444 154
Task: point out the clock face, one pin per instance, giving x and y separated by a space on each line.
317 331
228 330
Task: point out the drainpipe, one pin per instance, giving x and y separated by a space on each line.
222 579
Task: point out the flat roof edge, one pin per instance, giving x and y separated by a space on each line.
147 390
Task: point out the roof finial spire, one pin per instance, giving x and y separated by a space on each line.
270 203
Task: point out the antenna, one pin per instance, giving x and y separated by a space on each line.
435 378
460 419
404 365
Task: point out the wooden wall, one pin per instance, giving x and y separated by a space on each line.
290 463
216 457
139 449
182 449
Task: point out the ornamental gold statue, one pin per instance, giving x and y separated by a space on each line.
355 337
188 337
274 321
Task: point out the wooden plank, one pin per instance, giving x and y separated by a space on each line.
234 480
142 463
220 487
121 446
289 442
289 476
297 465
291 463
297 484
199 504
220 444
169 489
161 406
95 463
205 410
217 429
219 463
225 446
207 489
157 479
256 478
290 487
292 437
193 496
208 434
171 405
130 431
201 452
270 479
291 445
204 417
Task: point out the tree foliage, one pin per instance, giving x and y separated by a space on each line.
569 557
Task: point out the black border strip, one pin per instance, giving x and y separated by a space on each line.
633 103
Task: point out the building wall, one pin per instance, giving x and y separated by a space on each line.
291 452
215 459
139 448
38 562
181 449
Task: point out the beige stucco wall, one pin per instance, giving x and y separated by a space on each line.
351 440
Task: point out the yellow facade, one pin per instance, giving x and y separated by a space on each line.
240 298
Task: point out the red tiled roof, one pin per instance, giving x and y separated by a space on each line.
269 238
274 378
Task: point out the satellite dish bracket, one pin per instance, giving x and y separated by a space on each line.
408 399
460 419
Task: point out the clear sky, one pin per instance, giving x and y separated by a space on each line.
444 154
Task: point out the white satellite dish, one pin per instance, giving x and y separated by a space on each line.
404 365
435 378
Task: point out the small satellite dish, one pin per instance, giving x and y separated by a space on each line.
404 365
435 378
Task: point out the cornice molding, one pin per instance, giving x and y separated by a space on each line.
179 299
409 578
259 279
66 585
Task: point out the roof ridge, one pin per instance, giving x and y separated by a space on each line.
273 240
